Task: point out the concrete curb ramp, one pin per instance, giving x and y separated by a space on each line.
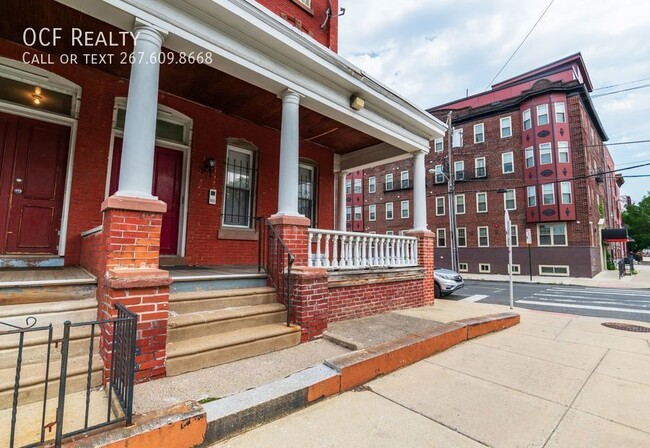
229 416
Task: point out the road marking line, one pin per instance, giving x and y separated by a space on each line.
586 307
630 301
626 292
474 298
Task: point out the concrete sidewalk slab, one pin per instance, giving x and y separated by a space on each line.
616 340
492 414
559 383
626 366
356 419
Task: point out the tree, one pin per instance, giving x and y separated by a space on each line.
636 218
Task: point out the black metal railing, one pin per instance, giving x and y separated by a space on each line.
405 184
118 387
275 258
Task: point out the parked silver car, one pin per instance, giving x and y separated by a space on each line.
447 281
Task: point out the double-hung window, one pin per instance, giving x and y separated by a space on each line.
389 211
348 213
307 192
545 154
439 174
438 145
506 127
358 213
459 170
507 163
372 184
551 234
388 183
372 212
548 194
481 202
460 204
532 196
404 179
440 206
479 167
563 152
461 237
510 200
542 114
348 186
479 133
357 186
483 236
565 188
530 157
514 236
528 122
239 187
560 113
442 237
405 209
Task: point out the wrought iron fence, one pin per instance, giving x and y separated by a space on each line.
118 385
275 258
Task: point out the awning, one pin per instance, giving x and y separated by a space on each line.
614 235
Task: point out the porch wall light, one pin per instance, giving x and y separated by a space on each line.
356 102
209 165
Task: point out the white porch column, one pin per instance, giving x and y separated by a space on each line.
341 203
136 169
289 155
419 192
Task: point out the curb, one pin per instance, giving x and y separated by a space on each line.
246 410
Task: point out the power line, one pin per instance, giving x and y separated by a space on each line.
621 84
643 86
519 46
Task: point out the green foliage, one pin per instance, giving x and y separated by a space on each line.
601 208
637 219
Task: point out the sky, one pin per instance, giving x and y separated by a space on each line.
435 51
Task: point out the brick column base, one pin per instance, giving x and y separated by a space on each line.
293 231
131 233
310 301
426 259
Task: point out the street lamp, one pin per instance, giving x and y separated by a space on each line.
508 225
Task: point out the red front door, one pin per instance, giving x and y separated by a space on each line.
32 184
167 179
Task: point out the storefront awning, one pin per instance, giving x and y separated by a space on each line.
615 235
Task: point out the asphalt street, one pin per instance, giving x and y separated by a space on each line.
579 300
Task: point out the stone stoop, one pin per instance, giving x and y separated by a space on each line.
207 328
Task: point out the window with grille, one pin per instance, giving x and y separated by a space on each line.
307 192
239 188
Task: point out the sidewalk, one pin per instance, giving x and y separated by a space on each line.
605 279
554 380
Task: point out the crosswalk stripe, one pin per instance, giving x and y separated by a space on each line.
474 298
630 301
586 307
603 291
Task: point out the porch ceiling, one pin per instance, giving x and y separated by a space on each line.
199 83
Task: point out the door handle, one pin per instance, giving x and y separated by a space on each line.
18 191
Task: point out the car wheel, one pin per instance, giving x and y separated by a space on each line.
437 291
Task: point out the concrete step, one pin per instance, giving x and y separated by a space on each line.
198 353
32 379
217 283
215 322
195 301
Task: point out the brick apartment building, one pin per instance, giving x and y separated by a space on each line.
532 144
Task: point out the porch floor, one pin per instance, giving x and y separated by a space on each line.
16 277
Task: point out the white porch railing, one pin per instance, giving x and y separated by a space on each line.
333 249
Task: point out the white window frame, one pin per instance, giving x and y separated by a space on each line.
514 235
482 268
514 199
442 231
389 232
348 186
457 138
358 186
358 213
516 269
372 184
532 188
404 176
545 149
544 193
552 234
405 211
438 145
463 267
372 212
527 121
479 130
348 214
554 267
529 155
486 236
563 186
439 174
508 126
464 204
542 110
560 108
503 162
389 209
460 163
458 230
563 152
441 200
476 167
478 201
388 181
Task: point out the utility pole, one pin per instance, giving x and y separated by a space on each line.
451 191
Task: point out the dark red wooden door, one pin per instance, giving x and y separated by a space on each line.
32 183
167 179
